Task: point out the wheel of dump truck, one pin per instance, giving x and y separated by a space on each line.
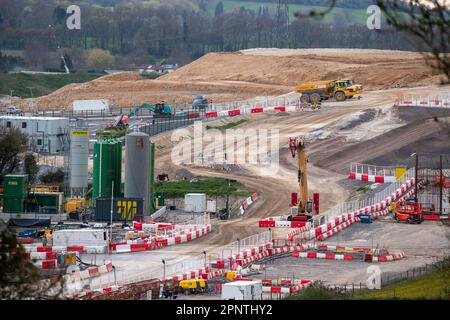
339 96
315 97
304 98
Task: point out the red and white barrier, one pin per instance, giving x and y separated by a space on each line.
440 101
247 203
154 243
281 222
345 256
371 178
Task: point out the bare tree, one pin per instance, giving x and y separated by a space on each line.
427 21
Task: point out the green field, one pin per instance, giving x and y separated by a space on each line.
358 16
210 186
433 285
42 84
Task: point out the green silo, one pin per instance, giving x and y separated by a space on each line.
107 168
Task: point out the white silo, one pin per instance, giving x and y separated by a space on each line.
137 168
79 157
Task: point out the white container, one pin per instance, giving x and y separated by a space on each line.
80 237
195 202
211 206
242 290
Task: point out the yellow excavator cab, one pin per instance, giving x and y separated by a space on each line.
231 275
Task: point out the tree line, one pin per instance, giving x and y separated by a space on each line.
178 31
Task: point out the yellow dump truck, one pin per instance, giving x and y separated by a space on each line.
322 90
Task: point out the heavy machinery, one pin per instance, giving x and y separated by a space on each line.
200 103
304 207
409 212
116 129
160 110
193 286
322 90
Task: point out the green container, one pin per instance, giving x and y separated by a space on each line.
13 205
45 202
107 168
15 185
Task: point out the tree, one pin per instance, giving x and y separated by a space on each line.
100 59
426 21
19 278
36 54
30 166
12 144
219 9
50 177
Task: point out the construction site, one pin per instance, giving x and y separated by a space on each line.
329 161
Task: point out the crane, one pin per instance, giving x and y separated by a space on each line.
297 147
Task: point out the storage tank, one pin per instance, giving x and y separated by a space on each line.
107 168
137 168
79 157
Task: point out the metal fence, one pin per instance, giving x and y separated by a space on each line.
372 170
350 206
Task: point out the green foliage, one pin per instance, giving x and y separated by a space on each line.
56 177
317 291
210 186
100 59
7 63
12 144
228 125
30 166
42 84
19 278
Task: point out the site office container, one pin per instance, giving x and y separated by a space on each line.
15 186
242 290
123 209
80 237
107 168
195 202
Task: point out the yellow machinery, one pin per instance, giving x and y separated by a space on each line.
74 204
193 285
231 275
322 90
305 205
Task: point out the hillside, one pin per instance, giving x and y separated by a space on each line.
247 74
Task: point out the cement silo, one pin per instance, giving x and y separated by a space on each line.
107 168
137 168
79 156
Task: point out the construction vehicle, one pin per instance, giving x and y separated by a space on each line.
305 205
160 110
116 129
193 286
322 90
200 103
409 213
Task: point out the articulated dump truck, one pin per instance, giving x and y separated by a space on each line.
322 90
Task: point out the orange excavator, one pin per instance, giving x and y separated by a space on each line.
304 209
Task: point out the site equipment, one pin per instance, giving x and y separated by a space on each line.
193 286
323 90
159 110
305 205
409 213
242 290
200 103
116 129
366 218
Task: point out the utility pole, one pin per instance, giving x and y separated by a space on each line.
415 180
111 216
441 184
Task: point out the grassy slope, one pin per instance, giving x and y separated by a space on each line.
42 84
434 285
210 186
358 15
